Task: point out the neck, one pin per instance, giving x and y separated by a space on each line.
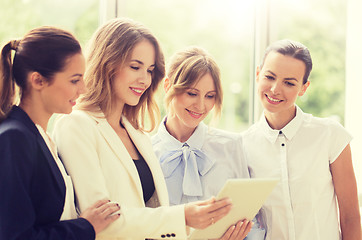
178 130
36 112
115 115
279 120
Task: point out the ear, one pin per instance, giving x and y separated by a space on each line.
166 84
37 81
257 74
304 88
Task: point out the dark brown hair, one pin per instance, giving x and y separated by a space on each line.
43 50
293 49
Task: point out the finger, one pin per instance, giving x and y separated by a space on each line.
112 218
228 233
239 230
207 202
99 203
106 206
111 209
245 228
218 204
219 213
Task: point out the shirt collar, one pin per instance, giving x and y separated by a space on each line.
195 141
289 130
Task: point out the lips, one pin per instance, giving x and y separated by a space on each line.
72 102
194 114
137 91
273 100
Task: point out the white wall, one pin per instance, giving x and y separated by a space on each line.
353 114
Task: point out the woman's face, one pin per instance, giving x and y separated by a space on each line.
192 106
59 96
280 82
135 76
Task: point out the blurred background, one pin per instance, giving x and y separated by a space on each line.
235 32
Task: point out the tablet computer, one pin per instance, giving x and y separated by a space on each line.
247 196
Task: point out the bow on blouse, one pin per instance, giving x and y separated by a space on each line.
195 164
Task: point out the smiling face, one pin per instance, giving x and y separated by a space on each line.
60 94
193 105
280 82
135 75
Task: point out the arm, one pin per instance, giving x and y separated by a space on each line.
346 190
100 174
18 217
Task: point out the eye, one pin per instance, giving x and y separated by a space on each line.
150 71
210 96
290 84
75 81
191 94
269 77
135 68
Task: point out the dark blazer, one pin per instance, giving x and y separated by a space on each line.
32 190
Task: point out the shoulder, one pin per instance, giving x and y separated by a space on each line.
17 143
253 129
79 118
14 130
157 137
222 136
328 124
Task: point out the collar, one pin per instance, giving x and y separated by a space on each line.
288 130
195 141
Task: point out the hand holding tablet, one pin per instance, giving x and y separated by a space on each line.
247 196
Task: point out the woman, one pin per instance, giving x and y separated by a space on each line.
115 159
317 195
37 200
196 159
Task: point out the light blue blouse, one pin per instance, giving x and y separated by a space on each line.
198 168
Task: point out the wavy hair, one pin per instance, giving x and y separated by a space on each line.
110 47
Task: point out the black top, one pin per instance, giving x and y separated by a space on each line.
148 186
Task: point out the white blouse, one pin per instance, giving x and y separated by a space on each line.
303 205
69 211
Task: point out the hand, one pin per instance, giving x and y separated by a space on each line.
101 214
204 213
238 231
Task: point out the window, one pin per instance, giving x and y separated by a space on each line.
223 28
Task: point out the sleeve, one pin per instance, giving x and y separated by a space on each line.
17 215
76 137
339 139
243 171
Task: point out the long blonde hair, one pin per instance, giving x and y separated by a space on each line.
109 48
186 68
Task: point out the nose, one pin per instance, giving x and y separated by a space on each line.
145 78
200 104
275 88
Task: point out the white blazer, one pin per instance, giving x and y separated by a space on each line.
101 168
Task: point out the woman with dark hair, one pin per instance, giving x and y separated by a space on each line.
37 198
316 197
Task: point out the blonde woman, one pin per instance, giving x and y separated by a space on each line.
197 159
114 158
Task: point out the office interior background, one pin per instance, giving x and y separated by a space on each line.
236 33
